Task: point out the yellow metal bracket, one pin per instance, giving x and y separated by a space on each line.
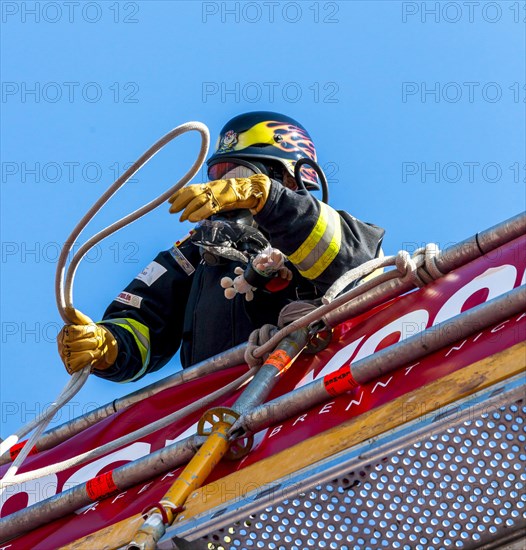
240 447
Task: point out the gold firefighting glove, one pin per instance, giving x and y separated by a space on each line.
200 201
84 343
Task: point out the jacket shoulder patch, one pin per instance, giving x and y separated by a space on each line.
179 257
129 299
151 273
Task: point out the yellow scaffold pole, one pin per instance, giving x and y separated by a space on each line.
217 445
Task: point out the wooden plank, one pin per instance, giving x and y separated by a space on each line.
111 537
432 396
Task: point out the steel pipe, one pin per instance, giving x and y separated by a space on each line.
481 243
449 259
267 376
217 443
123 478
384 361
53 437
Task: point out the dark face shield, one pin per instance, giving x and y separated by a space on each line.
240 168
231 169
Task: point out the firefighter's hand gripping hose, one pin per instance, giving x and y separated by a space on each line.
64 278
86 343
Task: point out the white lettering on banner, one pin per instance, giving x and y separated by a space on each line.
120 495
382 384
394 380
408 325
354 402
276 430
259 437
132 452
409 369
187 433
46 487
145 487
299 419
327 407
500 327
497 280
36 490
456 348
89 508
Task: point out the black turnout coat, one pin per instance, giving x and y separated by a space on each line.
176 302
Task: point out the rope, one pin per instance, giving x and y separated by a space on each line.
354 274
296 310
64 291
133 436
257 338
70 390
420 269
407 269
64 279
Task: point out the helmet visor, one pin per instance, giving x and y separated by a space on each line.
226 170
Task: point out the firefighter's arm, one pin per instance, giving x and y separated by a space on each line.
146 318
321 242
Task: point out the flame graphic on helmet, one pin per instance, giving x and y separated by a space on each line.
286 137
292 138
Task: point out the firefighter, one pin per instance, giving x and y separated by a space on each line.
251 202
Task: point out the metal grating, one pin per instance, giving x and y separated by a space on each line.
461 486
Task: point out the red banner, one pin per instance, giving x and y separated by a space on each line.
353 340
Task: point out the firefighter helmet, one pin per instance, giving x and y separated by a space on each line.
265 136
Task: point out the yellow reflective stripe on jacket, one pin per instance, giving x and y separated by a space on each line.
322 245
141 335
312 240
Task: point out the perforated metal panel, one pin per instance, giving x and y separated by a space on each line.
461 485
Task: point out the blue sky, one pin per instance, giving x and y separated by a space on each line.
418 116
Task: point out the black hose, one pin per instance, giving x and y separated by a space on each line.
318 170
